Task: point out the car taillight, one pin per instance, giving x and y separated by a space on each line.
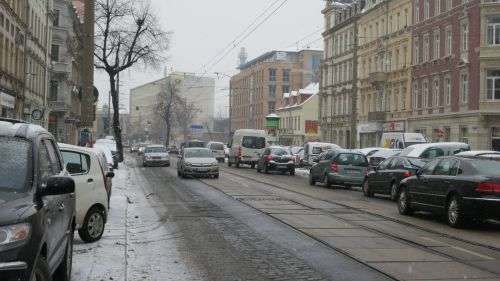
239 151
407 174
334 167
488 187
269 157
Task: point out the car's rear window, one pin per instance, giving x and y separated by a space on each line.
351 159
279 151
217 146
15 167
156 149
253 142
486 167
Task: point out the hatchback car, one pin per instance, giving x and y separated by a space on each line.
37 206
90 188
339 167
155 155
217 149
464 189
276 158
376 158
197 162
385 178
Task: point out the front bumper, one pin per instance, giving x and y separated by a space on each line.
486 207
14 271
201 171
155 162
339 179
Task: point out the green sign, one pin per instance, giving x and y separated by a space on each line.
272 122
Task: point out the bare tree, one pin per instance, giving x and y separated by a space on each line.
127 33
184 113
164 104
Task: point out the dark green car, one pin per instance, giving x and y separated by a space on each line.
339 167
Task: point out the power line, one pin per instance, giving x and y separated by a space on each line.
304 38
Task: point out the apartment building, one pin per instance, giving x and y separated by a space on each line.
456 93
338 98
257 90
13 17
384 72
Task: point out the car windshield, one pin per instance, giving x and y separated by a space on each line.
279 151
217 146
351 159
253 142
486 167
15 166
156 150
195 144
198 153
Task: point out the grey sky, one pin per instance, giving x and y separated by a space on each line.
202 28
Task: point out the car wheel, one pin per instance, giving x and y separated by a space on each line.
41 270
266 169
366 189
63 272
93 226
216 176
312 182
326 181
229 163
179 173
253 166
237 164
394 191
258 168
455 213
404 203
292 172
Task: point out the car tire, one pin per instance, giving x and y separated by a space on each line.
366 189
41 270
253 166
326 181
93 225
292 172
63 271
455 215
258 168
216 176
312 182
179 173
266 169
229 163
394 191
237 164
404 202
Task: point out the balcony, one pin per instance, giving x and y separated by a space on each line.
377 116
61 67
58 106
378 77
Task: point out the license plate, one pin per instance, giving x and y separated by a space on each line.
202 169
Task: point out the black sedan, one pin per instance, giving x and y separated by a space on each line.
276 158
464 189
385 178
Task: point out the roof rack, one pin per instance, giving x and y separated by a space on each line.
13 121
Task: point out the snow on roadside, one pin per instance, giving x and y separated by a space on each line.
302 172
136 244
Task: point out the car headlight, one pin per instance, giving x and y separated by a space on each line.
188 164
13 235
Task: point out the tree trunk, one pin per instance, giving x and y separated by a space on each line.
116 118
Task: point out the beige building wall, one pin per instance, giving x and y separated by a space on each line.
293 120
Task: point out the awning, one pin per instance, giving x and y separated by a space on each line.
7 100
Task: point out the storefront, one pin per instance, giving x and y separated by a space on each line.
7 103
369 134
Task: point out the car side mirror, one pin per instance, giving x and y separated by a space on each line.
419 172
110 175
179 156
315 160
57 186
375 168
74 168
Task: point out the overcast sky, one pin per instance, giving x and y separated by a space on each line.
203 28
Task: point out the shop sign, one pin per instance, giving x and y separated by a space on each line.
394 127
285 131
7 100
312 127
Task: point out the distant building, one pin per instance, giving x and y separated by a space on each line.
299 116
257 90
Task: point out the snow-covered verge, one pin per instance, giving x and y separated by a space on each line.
302 172
136 244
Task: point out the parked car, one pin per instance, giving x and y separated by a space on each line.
480 153
368 151
111 145
173 150
433 150
276 158
107 153
376 158
385 178
217 149
197 162
401 140
339 167
464 189
107 168
245 147
155 155
312 150
90 189
35 189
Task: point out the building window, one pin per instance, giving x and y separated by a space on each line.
416 49
464 37
272 92
426 9
272 74
437 7
426 48
272 106
416 95
449 4
437 45
54 54
425 95
285 89
54 88
493 85
449 41
464 87
436 92
493 36
56 17
447 90
464 134
286 75
417 11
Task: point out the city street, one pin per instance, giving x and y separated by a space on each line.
250 226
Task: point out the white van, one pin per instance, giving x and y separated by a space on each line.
217 149
401 140
245 147
313 149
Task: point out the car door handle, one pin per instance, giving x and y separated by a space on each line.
447 182
90 180
61 207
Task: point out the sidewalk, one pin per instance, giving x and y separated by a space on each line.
136 244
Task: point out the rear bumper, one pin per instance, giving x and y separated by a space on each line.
280 166
345 180
483 207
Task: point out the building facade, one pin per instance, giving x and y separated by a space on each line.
338 98
456 94
299 117
257 90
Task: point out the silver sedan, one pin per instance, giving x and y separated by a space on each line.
197 162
